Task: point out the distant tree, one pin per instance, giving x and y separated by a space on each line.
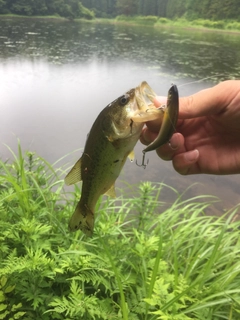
176 8
140 7
112 7
127 7
22 7
150 7
192 9
40 7
162 8
65 8
3 6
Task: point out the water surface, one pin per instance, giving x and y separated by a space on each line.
55 77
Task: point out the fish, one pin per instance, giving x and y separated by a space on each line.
110 141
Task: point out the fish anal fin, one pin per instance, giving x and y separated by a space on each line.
111 192
74 175
131 156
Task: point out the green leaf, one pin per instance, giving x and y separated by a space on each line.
16 306
19 315
2 296
3 316
3 306
9 289
3 281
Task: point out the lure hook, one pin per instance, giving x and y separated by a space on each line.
143 160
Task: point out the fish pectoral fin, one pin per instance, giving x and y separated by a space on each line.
131 156
74 175
111 192
148 115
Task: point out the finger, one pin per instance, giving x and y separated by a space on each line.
186 163
207 102
147 136
199 104
175 146
159 100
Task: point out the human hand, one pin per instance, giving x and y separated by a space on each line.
208 132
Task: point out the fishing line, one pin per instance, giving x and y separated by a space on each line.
200 80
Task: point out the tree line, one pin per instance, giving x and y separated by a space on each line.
70 9
189 9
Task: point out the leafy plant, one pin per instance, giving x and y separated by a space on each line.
145 261
8 310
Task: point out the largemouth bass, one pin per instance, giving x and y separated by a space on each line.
110 141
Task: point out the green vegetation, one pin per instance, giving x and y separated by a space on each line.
219 14
181 22
190 9
70 9
201 23
140 264
213 10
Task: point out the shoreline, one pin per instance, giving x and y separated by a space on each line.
165 25
130 22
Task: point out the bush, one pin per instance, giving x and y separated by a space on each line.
233 25
138 19
123 17
218 24
147 19
209 23
163 20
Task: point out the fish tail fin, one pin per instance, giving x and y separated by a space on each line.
83 219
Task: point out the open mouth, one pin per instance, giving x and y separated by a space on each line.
144 96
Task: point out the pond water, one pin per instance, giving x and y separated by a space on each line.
56 76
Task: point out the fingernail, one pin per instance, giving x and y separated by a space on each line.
192 156
174 142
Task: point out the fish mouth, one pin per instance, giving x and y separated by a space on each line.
144 96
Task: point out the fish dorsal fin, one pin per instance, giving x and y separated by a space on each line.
74 175
131 156
111 192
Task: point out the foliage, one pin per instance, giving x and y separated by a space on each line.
180 264
65 8
183 22
8 310
232 25
145 20
171 9
190 9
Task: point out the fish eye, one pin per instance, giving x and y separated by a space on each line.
124 99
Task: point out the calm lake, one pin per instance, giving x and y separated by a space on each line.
56 76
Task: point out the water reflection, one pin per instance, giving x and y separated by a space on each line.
55 77
179 52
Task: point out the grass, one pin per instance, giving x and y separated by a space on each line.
219 25
52 17
144 261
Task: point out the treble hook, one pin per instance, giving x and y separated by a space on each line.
143 160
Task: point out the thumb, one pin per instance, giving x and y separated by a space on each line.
206 102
